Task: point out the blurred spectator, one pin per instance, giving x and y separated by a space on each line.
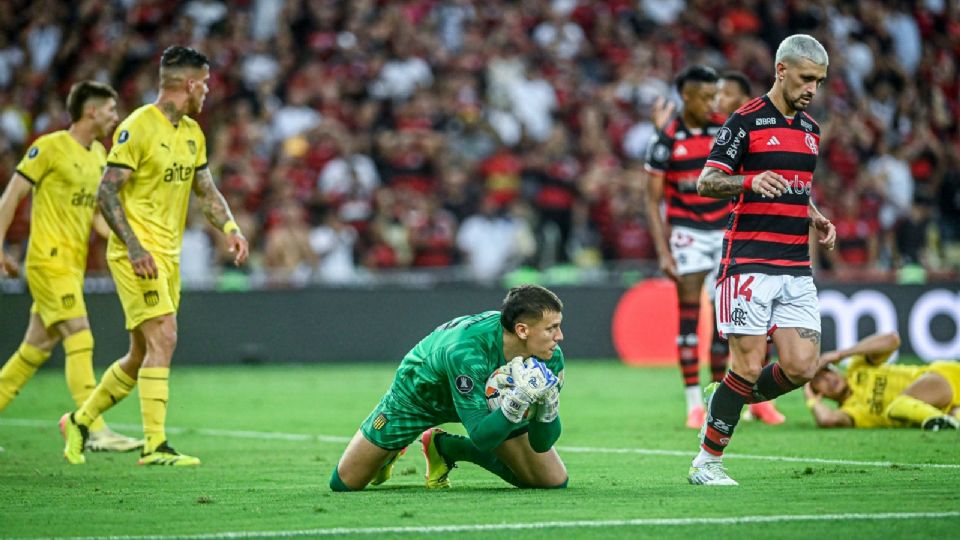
493 241
389 125
333 244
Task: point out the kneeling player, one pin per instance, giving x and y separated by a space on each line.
442 379
875 394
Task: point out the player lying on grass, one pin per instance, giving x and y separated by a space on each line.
874 394
442 379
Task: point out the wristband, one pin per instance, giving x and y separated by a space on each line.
748 182
811 402
230 227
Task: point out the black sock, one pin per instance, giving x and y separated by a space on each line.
773 382
724 413
688 342
454 448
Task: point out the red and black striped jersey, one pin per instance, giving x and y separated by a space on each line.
768 236
679 153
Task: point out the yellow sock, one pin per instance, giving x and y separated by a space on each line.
154 393
911 409
17 371
114 386
78 350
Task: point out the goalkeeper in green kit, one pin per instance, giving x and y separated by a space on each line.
443 380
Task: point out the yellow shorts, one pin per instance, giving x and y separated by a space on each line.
145 299
57 293
951 372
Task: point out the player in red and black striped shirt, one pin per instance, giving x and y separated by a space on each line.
733 92
675 157
765 155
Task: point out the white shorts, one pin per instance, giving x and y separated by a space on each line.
758 304
696 250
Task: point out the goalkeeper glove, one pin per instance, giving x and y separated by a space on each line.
514 404
531 378
548 408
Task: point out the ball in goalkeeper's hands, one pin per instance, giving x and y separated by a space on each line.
498 383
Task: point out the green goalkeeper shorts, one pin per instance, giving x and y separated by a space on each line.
392 426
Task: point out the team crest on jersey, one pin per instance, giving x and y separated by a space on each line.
724 136
34 152
124 136
380 421
464 384
151 298
661 152
68 301
811 144
192 146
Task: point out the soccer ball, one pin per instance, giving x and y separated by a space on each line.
497 383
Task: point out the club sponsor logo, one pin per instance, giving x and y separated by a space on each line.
766 121
464 384
774 141
178 173
806 125
84 198
799 187
735 145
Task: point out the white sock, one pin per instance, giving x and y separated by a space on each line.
704 457
694 397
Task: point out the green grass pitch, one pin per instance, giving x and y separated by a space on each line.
269 436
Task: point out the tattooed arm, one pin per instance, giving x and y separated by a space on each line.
715 183
218 213
108 199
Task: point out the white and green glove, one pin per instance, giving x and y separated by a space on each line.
548 408
531 380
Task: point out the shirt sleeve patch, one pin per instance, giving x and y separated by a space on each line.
34 152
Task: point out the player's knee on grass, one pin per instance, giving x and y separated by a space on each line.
337 484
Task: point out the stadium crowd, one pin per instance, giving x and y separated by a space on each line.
355 137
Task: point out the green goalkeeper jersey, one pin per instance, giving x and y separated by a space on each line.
443 377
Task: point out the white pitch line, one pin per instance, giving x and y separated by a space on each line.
688 453
273 435
644 522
